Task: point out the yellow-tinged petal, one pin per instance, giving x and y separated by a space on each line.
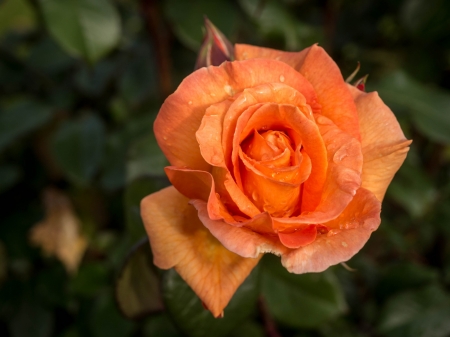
179 239
384 145
361 217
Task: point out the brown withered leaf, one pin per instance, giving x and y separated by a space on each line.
59 233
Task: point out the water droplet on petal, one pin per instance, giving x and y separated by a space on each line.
255 196
341 153
281 78
229 90
333 232
190 102
323 120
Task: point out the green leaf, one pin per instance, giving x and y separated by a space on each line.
429 107
134 193
249 328
139 81
424 21
47 56
113 165
275 20
87 28
78 147
186 18
413 189
160 325
105 319
188 313
301 301
137 286
418 313
93 80
145 158
401 276
90 279
16 15
21 118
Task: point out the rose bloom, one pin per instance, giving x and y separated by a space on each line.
270 153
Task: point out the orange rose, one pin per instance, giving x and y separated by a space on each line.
271 153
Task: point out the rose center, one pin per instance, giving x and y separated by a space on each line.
271 172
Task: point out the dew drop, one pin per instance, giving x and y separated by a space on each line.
333 232
190 102
229 90
255 196
165 138
323 120
340 154
344 244
281 78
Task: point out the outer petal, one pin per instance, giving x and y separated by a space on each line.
384 145
364 215
239 240
178 239
180 116
324 75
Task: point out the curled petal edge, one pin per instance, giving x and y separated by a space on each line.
362 213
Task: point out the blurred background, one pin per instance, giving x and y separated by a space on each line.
81 82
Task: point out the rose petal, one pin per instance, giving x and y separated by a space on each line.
246 104
278 198
179 239
328 250
343 177
273 116
215 124
384 145
180 116
324 75
259 148
239 240
301 237
210 143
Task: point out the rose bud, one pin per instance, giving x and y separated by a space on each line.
215 48
271 153
361 83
